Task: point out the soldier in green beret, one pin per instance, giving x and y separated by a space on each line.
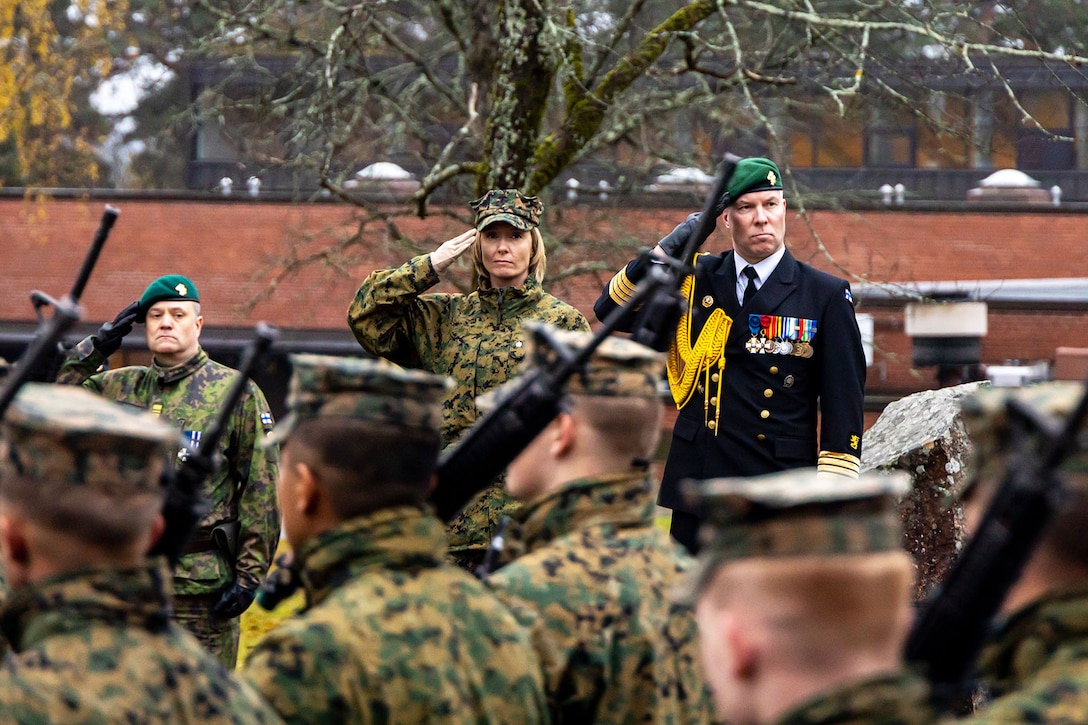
768 347
1036 664
804 598
88 619
474 338
391 632
231 551
583 560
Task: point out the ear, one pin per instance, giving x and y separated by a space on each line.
199 324
563 432
13 548
158 525
745 654
307 489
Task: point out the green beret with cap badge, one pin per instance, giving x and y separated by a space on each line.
168 287
754 173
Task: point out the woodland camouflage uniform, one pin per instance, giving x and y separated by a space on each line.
1035 666
476 339
98 645
592 576
244 486
391 632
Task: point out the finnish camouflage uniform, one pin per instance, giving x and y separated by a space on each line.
476 339
1036 666
243 488
898 699
390 632
596 574
96 644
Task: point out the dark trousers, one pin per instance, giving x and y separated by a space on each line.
685 529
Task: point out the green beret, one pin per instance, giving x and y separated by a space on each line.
793 513
753 174
372 391
507 205
170 287
60 434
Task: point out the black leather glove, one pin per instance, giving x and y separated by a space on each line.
235 600
673 242
108 338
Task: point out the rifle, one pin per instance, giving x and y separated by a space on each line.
954 625
66 312
495 440
184 506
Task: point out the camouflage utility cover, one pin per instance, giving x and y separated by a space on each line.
476 339
986 417
62 435
617 368
507 205
794 513
592 577
391 633
376 391
99 647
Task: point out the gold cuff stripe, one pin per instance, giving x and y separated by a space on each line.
620 288
842 464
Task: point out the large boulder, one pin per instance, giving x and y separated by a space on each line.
922 434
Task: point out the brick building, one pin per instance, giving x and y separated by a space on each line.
263 259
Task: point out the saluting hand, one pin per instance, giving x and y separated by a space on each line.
451 249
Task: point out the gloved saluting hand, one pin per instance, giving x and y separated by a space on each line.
673 242
451 249
108 338
235 600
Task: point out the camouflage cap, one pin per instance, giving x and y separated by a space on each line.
986 417
754 174
64 434
376 391
793 513
508 205
617 368
169 287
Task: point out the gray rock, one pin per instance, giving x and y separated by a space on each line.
922 434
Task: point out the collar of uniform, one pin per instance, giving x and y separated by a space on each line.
764 268
620 499
895 697
65 603
397 538
512 298
1031 637
182 370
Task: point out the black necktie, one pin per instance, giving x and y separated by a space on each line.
750 290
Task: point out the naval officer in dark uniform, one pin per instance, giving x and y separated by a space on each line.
768 347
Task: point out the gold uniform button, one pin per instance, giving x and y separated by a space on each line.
774 370
764 414
768 393
711 425
714 401
714 378
761 437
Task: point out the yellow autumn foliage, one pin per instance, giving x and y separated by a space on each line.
39 68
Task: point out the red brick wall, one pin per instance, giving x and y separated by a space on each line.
237 251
